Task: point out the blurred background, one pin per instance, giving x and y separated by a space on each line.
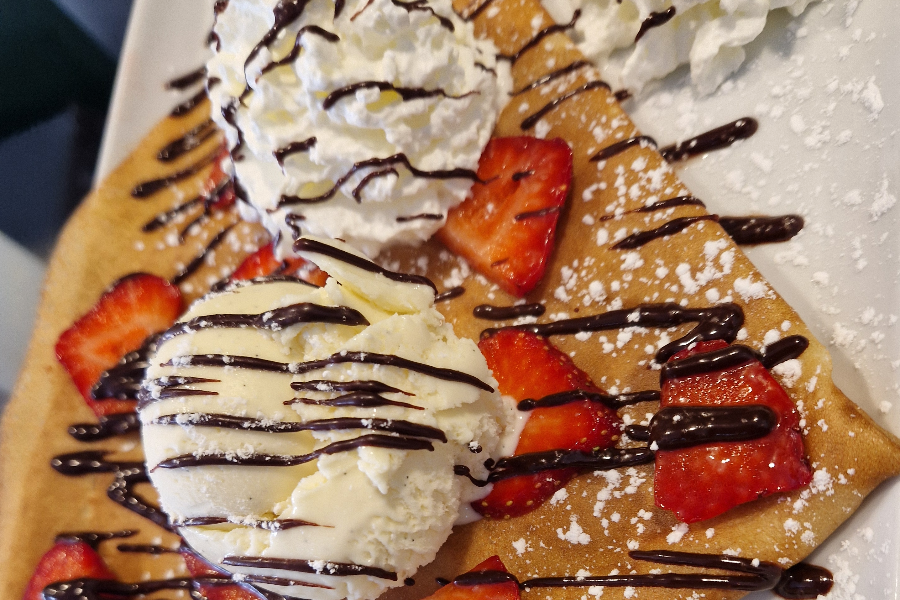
57 64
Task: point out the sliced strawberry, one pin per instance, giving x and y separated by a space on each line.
500 590
527 366
216 179
199 567
133 308
263 262
68 559
701 482
505 229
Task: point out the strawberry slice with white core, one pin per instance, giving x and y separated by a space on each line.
506 228
701 482
135 307
494 586
68 559
528 366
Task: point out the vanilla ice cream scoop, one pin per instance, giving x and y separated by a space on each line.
305 438
361 120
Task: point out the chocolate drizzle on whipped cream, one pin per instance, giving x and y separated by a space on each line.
406 93
540 36
655 19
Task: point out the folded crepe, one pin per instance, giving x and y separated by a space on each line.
696 265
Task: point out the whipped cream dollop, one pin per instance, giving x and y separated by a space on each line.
302 436
709 35
362 120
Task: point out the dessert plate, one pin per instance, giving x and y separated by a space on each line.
825 94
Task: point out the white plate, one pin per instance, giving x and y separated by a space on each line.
826 91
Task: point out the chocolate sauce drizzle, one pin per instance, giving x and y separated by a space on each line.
107 426
267 524
307 566
762 230
532 120
357 191
328 385
188 106
714 139
553 75
367 358
314 246
121 491
636 240
152 186
206 200
733 356
655 19
272 320
720 322
502 313
355 400
406 93
190 268
123 381
294 148
396 159
398 426
539 37
613 149
295 51
191 140
551 460
286 12
421 217
614 402
187 80
93 538
660 205
676 427
422 5
454 292
278 460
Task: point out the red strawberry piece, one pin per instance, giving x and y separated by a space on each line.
494 569
263 262
135 307
218 179
66 560
701 482
199 567
528 366
505 229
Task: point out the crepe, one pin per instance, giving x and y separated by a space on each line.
100 244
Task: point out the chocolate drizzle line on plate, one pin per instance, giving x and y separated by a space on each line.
539 37
396 159
720 322
272 320
398 426
291 460
316 247
654 19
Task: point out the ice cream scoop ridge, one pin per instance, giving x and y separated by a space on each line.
304 438
361 121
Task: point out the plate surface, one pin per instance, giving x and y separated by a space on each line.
826 90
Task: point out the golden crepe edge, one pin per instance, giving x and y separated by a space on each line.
98 246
